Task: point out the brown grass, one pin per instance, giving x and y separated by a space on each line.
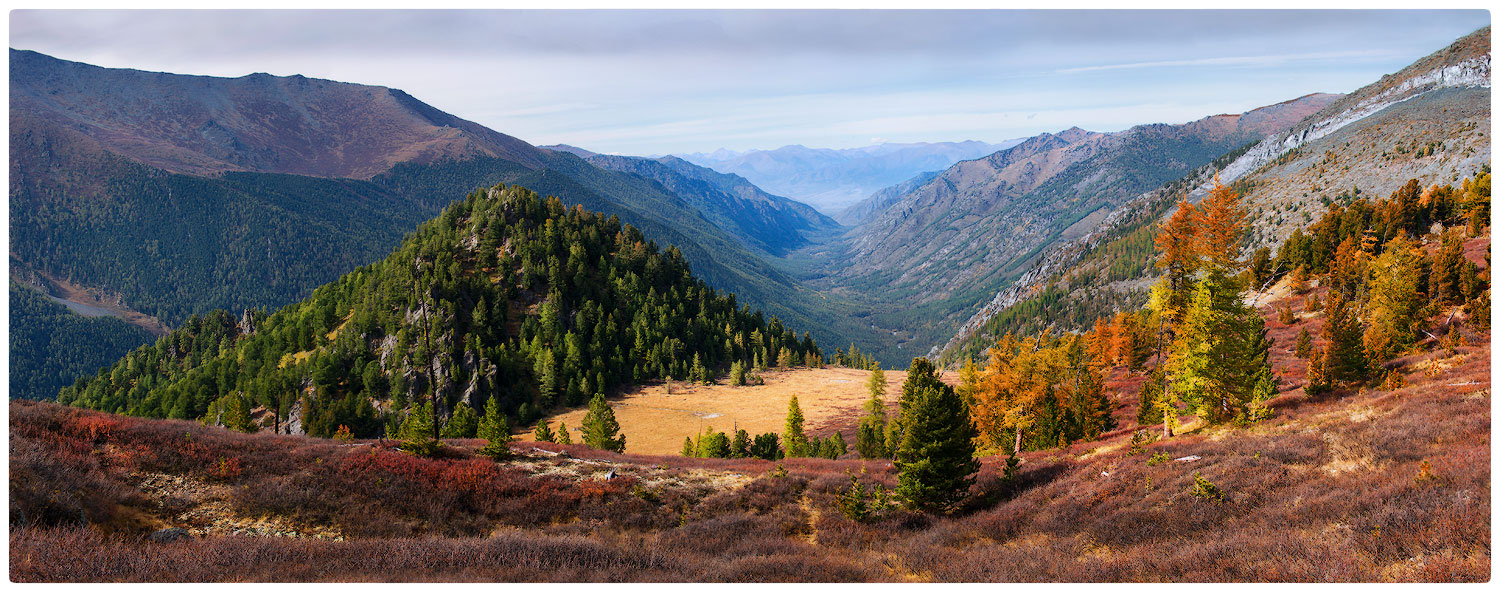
655 422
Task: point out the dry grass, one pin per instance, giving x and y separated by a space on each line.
656 422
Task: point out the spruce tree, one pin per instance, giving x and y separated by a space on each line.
740 447
600 430
494 425
1219 351
793 438
543 432
1344 355
463 423
416 431
869 439
1304 343
561 436
935 457
688 448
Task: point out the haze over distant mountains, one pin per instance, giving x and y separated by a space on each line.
832 180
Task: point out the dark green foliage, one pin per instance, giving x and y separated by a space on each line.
740 447
579 304
766 446
600 430
794 438
1344 357
543 432
935 457
463 424
861 503
50 346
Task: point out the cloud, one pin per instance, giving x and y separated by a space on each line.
662 81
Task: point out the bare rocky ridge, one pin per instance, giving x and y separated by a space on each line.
1430 122
262 123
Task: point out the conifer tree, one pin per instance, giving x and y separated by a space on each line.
737 373
1317 374
1220 350
869 439
543 432
463 423
416 431
793 438
1344 354
494 427
1394 300
740 447
1304 343
838 445
689 449
561 436
935 458
600 430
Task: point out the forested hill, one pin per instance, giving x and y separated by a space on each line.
505 295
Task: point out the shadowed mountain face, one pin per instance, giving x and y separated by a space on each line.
832 180
769 223
260 123
952 240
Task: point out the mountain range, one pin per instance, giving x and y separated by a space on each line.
173 195
834 179
1429 122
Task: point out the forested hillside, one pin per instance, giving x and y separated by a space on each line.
51 346
151 218
505 297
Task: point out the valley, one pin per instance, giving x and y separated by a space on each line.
290 329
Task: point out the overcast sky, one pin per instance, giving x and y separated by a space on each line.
654 82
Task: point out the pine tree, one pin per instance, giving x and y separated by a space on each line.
1317 374
869 438
838 445
1394 300
494 425
543 432
793 438
1344 354
689 449
600 430
737 373
416 431
740 447
463 423
935 458
1304 343
1176 245
561 436
1219 351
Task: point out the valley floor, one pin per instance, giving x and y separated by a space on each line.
656 418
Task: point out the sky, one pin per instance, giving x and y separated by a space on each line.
654 82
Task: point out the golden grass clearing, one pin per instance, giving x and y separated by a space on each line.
655 422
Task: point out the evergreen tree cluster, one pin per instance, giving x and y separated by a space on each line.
504 296
50 346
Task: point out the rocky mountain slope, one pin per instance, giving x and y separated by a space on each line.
832 180
1428 122
946 245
